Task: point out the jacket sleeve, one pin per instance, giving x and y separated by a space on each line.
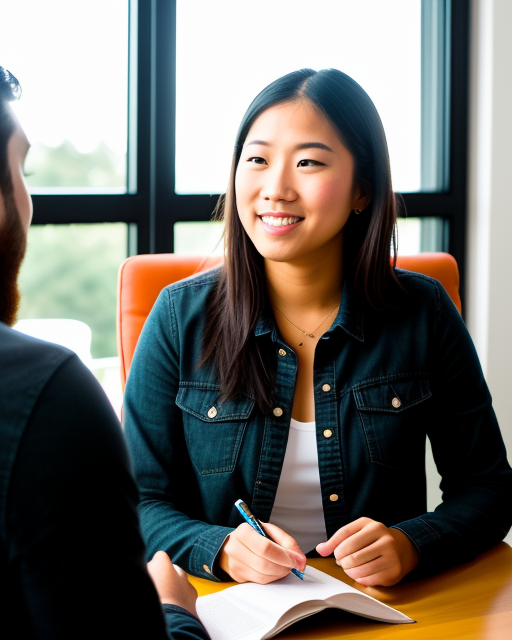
171 505
182 625
468 449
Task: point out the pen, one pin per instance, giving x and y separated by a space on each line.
256 525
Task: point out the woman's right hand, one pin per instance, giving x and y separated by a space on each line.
248 556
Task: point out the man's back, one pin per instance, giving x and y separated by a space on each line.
72 559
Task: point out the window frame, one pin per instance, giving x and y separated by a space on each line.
153 206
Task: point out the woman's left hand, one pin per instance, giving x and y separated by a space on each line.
370 553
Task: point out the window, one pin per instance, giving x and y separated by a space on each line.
75 100
273 38
153 67
70 275
415 52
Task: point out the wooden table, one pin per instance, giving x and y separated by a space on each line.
469 602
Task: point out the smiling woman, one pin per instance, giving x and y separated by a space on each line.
305 374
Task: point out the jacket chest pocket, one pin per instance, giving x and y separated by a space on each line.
393 414
213 431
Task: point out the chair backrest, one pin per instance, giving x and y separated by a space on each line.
142 277
140 280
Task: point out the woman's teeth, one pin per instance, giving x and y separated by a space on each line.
279 222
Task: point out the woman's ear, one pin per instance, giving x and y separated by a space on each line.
363 197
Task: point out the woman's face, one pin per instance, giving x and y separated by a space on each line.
295 184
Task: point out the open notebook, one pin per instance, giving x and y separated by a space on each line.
256 611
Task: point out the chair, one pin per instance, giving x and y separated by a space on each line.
141 278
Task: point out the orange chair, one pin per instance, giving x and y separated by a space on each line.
141 278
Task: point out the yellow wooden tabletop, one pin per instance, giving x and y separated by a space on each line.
470 602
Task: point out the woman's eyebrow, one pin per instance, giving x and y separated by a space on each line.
304 145
313 145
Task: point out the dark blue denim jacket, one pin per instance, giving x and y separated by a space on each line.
383 382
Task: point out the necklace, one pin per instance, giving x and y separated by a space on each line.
306 333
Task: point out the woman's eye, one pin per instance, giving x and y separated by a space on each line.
309 163
256 160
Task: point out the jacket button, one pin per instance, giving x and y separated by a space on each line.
333 497
327 433
282 352
326 387
278 412
212 412
396 403
206 568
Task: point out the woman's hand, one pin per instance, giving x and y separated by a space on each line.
247 556
370 553
172 583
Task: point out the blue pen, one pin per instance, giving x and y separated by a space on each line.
256 525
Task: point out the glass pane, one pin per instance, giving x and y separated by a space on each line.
71 59
198 238
68 283
417 235
228 50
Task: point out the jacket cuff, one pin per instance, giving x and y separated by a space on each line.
423 537
183 624
205 551
175 608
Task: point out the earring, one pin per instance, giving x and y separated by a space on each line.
357 211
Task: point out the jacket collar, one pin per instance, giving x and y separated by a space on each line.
350 318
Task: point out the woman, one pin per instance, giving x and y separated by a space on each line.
304 375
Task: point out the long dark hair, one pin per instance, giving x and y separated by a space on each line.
240 297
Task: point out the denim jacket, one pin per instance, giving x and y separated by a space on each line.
383 382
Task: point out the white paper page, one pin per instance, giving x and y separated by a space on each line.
225 621
270 603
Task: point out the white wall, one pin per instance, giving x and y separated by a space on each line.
489 279
489 260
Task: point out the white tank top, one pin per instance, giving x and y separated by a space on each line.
298 505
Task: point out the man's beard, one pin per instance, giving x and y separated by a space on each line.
13 244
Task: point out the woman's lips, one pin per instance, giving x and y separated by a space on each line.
278 224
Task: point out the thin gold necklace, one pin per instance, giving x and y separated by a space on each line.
306 333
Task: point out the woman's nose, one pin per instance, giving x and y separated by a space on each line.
278 185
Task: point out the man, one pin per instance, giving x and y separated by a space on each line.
71 554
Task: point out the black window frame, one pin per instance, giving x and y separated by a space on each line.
154 207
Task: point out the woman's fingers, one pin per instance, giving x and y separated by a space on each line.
286 541
371 553
359 557
363 538
248 556
328 547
